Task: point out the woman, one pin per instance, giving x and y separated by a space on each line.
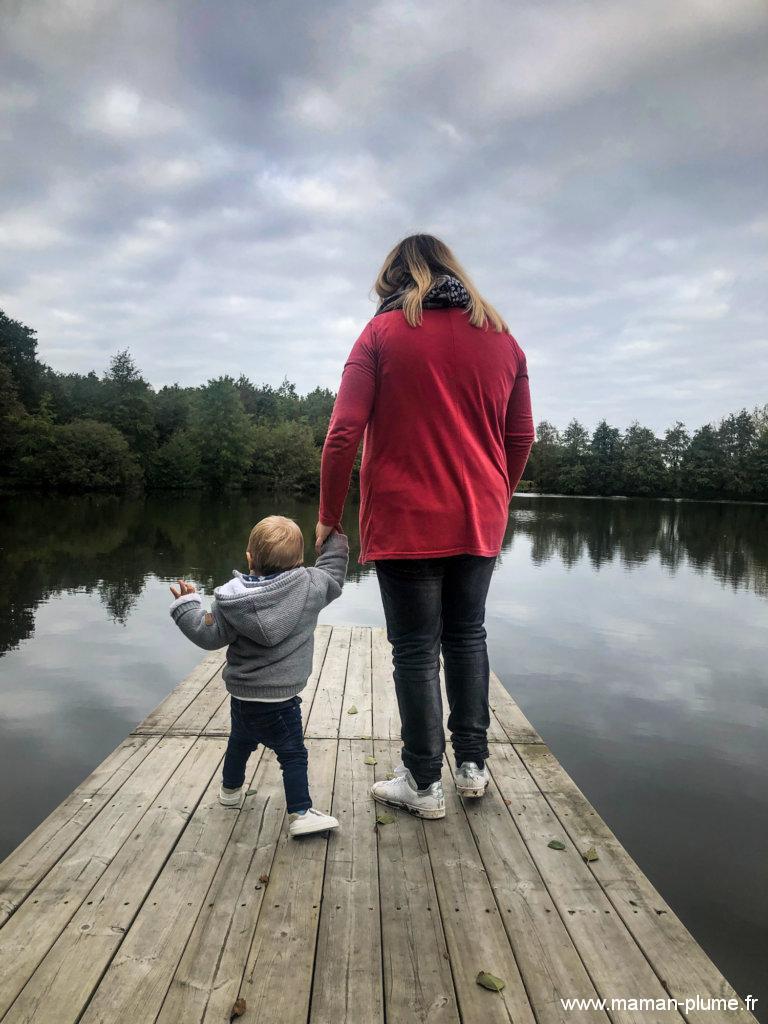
440 389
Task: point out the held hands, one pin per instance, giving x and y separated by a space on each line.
322 533
183 589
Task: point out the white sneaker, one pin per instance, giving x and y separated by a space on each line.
402 791
472 781
310 821
231 797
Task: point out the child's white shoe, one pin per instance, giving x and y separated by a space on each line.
310 821
231 797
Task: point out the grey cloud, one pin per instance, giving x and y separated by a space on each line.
215 186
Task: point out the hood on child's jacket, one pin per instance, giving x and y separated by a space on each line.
265 612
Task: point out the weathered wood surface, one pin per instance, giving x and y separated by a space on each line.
141 899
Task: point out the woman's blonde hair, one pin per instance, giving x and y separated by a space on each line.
276 543
414 265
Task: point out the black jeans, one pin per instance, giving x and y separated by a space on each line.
429 603
274 725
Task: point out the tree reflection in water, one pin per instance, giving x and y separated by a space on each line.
111 545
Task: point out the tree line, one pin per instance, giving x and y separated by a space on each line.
85 432
724 460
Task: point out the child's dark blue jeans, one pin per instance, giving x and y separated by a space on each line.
277 726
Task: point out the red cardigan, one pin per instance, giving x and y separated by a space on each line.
446 412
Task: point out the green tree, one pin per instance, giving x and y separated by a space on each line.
128 405
173 410
261 403
574 464
286 457
645 474
703 465
316 408
545 459
75 396
18 353
673 448
12 417
83 455
606 457
177 464
737 436
225 434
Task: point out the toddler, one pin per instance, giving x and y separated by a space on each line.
267 622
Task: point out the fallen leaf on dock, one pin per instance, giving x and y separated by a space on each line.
555 844
370 760
251 792
384 818
352 710
490 981
264 879
238 1009
590 855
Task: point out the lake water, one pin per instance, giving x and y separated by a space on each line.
632 633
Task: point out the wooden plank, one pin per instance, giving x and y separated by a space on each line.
348 984
322 640
474 930
615 963
549 963
208 977
357 690
323 719
221 721
36 925
418 986
386 716
284 941
671 949
60 988
140 974
168 710
195 718
510 717
21 871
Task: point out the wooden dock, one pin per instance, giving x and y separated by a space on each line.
141 899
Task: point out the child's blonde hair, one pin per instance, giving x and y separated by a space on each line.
276 543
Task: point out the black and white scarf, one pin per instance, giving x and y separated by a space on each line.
447 291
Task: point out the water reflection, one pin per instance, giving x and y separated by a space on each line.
110 546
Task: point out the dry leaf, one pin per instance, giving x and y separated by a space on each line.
251 792
555 844
384 818
352 710
490 981
590 855
238 1009
370 760
264 879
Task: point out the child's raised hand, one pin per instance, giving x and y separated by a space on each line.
183 588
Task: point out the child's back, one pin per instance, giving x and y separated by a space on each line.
267 621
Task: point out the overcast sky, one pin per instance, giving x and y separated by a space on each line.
215 184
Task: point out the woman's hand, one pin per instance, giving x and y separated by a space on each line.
322 533
183 589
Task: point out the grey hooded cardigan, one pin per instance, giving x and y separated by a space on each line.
267 627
